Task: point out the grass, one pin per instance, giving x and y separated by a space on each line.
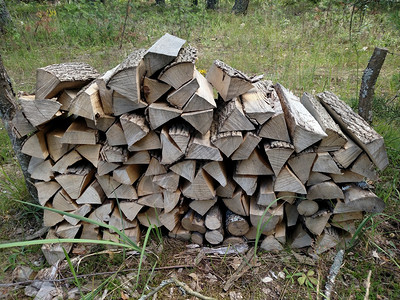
304 46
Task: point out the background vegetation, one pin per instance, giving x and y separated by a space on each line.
305 45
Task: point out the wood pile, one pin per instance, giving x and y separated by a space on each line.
149 143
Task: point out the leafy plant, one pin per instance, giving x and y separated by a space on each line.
307 279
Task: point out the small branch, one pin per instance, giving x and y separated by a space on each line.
333 271
368 285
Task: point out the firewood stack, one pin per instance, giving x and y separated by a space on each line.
148 143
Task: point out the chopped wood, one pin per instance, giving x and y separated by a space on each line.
168 181
20 125
106 94
307 208
87 103
36 146
79 133
114 154
75 180
122 104
139 158
239 203
234 240
270 244
108 184
54 252
120 222
357 199
39 111
226 142
266 195
192 221
154 89
280 232
300 238
215 237
146 186
201 188
286 181
43 171
130 209
202 206
127 174
115 135
336 138
81 211
155 168
135 127
226 191
172 218
250 142
316 177
278 153
200 148
102 213
185 168
33 162
236 225
200 120
347 176
154 200
66 161
104 167
150 217
316 224
213 219
289 197
53 79
171 199
67 231
357 128
301 164
203 98
170 151
229 82
327 240
268 219
62 201
254 165
347 154
90 152
66 98
247 182
150 142
180 134
292 214
343 217
325 164
197 238
303 128
216 170
51 218
181 96
325 190
231 117
180 233
363 166
90 232
160 113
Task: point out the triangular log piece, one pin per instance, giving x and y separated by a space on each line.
150 142
43 171
160 113
106 94
316 177
335 139
39 111
153 200
268 220
180 134
62 201
20 125
170 151
303 128
197 238
162 52
239 203
67 231
213 219
270 244
301 164
108 184
81 211
114 154
200 148
316 224
236 225
228 190
247 182
289 197
90 232
75 180
324 190
182 95
124 191
257 102
307 207
104 167
180 233
185 168
325 164
122 105
120 222
365 167
172 218
357 199
348 226
46 190
230 117
93 194
150 217
347 176
53 79
171 199
78 133
344 217
36 146
202 187
115 135
216 169
275 128
54 144
87 103
135 127
250 142
254 165
181 69
139 158
102 123
66 98
200 120
55 252
90 152
280 232
357 128
227 142
33 163
66 161
192 221
127 77
286 181
154 89
291 214
155 168
146 186
229 82
127 174
300 238
130 209
113 237
278 153
202 206
102 213
203 98
215 237
168 181
266 194
327 240
51 218
347 154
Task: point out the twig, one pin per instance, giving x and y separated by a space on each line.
368 285
181 284
246 264
333 271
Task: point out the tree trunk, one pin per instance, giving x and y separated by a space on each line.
5 17
211 4
240 6
8 108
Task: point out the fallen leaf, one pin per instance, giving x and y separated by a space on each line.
375 254
267 279
194 276
212 278
281 275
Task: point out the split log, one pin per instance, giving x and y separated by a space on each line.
239 203
153 200
325 164
115 135
39 111
171 219
62 201
278 153
168 181
146 186
357 199
316 224
266 219
66 98
300 238
81 211
90 152
236 225
266 194
292 214
250 142
301 164
303 128
200 148
155 168
343 217
201 188
75 180
202 206
286 181
36 146
108 184
180 134
150 217
307 208
87 103
181 96
316 177
347 154
104 167
150 142
200 120
79 133
185 169
20 125
231 117
122 104
139 158
154 89
347 176
55 145
216 170
280 232
327 240
67 231
130 209
247 182
43 171
171 199
270 244
364 167
51 218
106 94
254 165
192 221
135 127
101 214
226 142
170 151
289 197
160 113
180 233
213 219
66 161
226 191
325 190
113 154
127 174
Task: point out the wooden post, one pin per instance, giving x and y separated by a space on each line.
368 81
